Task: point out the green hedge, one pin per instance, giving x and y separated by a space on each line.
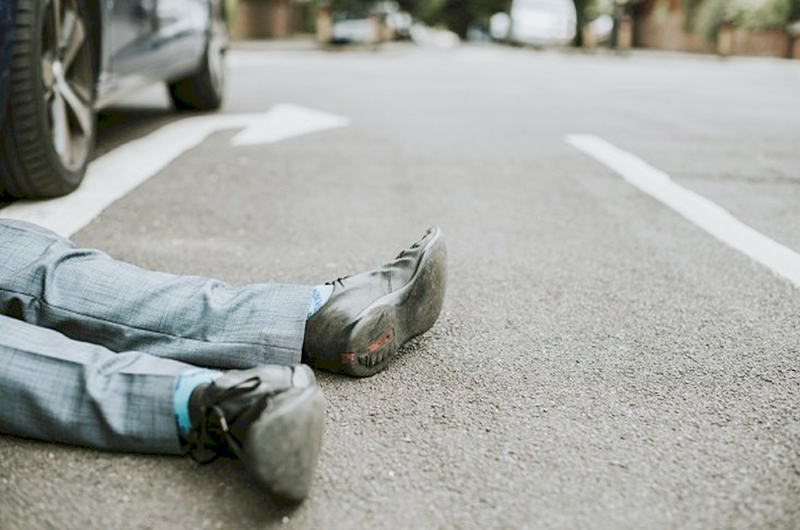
705 17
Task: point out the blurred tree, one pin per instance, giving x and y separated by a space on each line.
761 14
586 11
424 10
706 16
690 9
580 11
459 15
353 8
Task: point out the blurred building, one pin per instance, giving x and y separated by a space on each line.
271 19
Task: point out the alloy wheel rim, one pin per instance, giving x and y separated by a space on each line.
67 79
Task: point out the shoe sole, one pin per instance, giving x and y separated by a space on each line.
282 447
388 323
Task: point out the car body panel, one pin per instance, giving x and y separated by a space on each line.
149 41
141 42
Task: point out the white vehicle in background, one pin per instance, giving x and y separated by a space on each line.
359 25
536 23
352 28
499 26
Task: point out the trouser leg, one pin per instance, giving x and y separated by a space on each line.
84 294
56 389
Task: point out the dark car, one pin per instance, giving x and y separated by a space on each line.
62 60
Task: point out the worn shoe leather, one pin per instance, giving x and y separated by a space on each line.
370 315
270 417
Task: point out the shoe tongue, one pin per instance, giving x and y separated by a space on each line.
402 270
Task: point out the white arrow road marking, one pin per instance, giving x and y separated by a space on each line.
118 172
707 215
286 121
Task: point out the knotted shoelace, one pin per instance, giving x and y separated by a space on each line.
201 438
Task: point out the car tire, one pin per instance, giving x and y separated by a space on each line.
204 89
49 129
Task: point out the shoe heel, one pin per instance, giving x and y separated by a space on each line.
373 343
430 286
283 445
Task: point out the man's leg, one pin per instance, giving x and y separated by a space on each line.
355 324
84 294
56 389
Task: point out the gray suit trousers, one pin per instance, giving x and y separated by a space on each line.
90 348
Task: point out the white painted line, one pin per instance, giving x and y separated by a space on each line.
286 121
707 215
118 172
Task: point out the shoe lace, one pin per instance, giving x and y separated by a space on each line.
340 281
201 438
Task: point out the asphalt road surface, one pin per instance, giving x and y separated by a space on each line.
601 360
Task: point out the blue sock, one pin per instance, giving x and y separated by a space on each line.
319 296
184 385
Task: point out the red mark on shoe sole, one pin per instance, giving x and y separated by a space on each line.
382 340
349 357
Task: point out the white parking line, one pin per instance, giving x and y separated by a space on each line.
707 215
286 121
118 172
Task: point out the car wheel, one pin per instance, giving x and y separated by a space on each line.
50 125
204 89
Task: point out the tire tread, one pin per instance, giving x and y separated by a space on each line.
29 166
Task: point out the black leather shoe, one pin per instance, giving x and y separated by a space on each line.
270 417
370 315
